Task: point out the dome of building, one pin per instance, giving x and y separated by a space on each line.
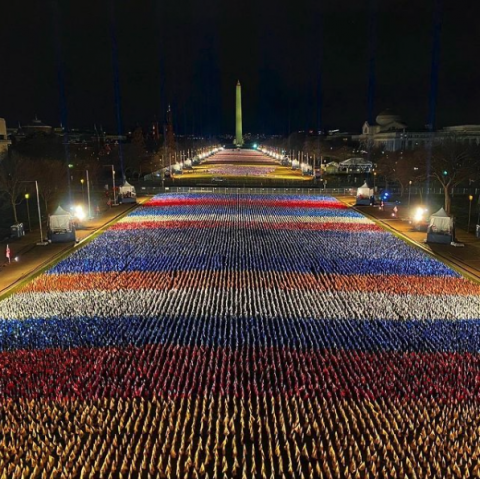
386 117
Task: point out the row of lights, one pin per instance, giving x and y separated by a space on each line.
188 163
296 165
272 154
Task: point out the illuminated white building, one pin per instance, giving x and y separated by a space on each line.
390 133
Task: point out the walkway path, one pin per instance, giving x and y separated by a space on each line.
31 258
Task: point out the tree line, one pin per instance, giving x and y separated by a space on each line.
450 163
53 162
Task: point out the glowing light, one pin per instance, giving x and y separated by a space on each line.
79 213
419 214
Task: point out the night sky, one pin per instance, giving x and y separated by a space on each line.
301 63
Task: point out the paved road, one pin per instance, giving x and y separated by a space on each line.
466 258
31 257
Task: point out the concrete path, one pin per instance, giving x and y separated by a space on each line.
28 258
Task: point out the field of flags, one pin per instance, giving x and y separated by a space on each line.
242 336
240 170
243 157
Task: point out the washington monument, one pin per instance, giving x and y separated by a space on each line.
238 117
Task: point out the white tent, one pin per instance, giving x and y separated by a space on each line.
127 193
441 228
441 222
331 166
356 163
60 221
127 190
364 191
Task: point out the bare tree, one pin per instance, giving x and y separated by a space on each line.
51 176
451 164
402 167
340 152
136 159
13 170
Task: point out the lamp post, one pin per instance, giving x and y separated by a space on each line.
113 183
470 198
374 181
88 196
42 242
82 181
478 209
39 213
27 197
70 178
409 191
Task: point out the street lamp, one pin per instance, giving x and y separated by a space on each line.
27 197
82 181
69 182
113 182
409 191
470 198
42 242
88 195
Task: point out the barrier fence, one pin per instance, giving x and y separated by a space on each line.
149 190
345 191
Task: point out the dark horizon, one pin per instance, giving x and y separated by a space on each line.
301 66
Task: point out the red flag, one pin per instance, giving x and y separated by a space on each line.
7 253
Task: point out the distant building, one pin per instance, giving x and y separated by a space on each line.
36 127
469 134
114 138
85 136
389 132
4 141
337 136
